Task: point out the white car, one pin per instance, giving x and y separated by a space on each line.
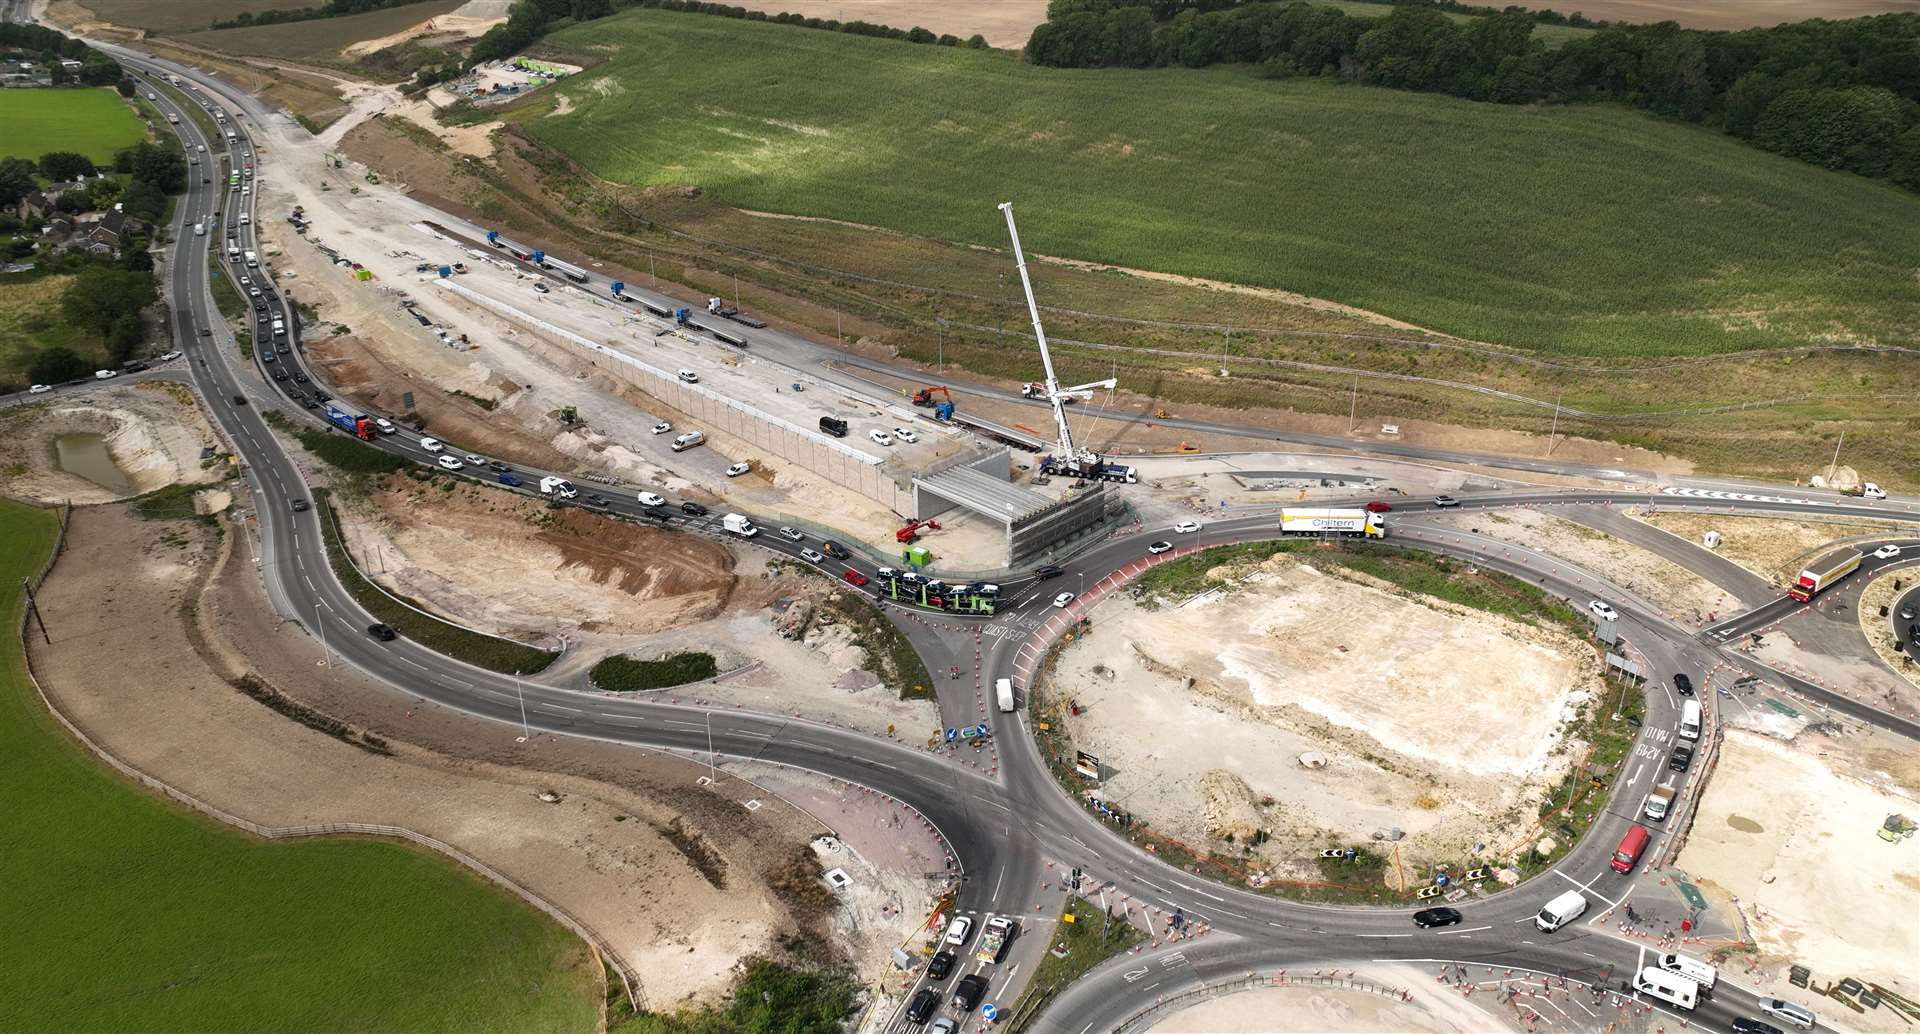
687 376
245 280
905 435
1063 599
1186 527
662 427
478 461
168 357
1795 1015
39 389
650 499
105 375
385 425
738 469
1157 548
958 931
432 445
1603 611
1887 552
451 463
791 534
880 437
812 556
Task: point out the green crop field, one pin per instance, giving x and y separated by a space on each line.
94 122
126 913
1583 230
319 39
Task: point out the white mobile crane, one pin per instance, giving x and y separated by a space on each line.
1071 461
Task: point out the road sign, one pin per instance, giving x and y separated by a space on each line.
989 1011
980 730
952 734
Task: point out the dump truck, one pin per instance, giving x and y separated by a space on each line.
361 427
1296 520
993 941
1821 576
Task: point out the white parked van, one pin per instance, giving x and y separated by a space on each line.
1561 911
688 441
1667 986
1690 719
1693 969
1003 690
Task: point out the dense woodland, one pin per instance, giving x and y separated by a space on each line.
1841 94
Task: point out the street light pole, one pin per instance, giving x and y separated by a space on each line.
525 732
713 776
1555 430
1836 458
326 658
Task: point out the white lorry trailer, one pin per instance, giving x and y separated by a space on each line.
1003 692
1298 520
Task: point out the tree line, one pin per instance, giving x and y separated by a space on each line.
528 20
330 9
96 68
1839 94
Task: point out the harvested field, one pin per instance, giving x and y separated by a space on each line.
1773 549
1788 830
1281 669
1005 23
154 433
320 39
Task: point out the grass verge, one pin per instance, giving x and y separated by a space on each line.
485 651
131 914
622 674
770 997
1089 939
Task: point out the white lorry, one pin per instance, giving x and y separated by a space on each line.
739 525
558 487
1299 520
1003 692
1693 969
1561 911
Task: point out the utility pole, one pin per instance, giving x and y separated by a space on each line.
736 290
1555 431
33 607
326 658
1836 458
713 776
940 346
650 273
517 691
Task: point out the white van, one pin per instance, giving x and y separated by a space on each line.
1690 719
1561 911
1667 986
1693 969
688 441
558 487
1003 690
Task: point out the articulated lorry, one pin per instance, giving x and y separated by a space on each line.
1096 470
361 427
1297 520
720 308
1821 576
566 269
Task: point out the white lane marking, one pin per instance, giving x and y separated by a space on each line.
1383 935
622 719
1200 892
1469 929
685 725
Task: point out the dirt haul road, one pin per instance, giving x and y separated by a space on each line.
1389 693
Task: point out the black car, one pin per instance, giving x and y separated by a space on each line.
384 633
1683 685
658 513
299 506
693 509
922 1006
323 396
239 400
1743 1025
940 965
1048 571
1433 917
279 374
968 992
595 500
834 550
310 403
1682 757
299 377
283 350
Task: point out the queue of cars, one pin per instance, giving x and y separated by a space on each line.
998 934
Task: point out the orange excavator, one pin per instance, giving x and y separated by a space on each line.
912 530
924 397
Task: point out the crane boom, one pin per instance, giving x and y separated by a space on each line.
1040 335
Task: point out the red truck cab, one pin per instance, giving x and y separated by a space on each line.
1630 847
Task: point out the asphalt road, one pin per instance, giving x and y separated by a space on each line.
1005 827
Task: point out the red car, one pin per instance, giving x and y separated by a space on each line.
1379 507
854 577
